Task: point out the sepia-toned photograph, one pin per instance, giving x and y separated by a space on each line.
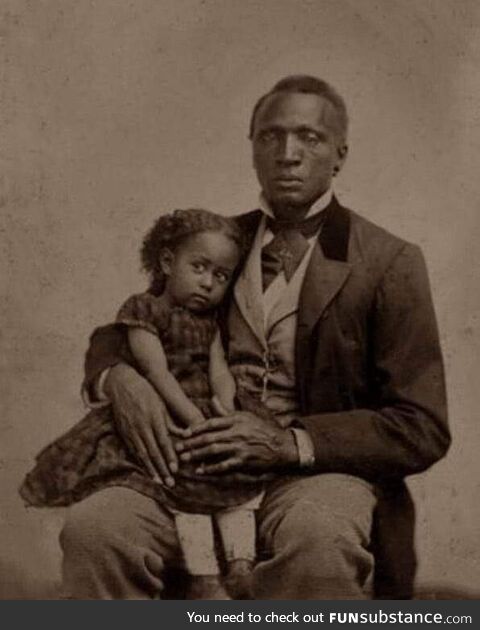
240 300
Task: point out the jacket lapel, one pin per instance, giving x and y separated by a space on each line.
248 287
323 280
326 274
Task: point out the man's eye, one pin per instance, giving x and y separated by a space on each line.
310 137
267 137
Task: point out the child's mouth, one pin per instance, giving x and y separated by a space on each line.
201 300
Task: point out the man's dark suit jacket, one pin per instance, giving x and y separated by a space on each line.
369 372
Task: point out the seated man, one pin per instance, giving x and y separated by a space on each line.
331 325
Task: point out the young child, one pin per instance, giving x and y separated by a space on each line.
174 338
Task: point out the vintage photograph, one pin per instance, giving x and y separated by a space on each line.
240 301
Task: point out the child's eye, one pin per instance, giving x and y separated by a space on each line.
198 266
221 276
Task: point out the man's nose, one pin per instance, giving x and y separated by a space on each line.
289 150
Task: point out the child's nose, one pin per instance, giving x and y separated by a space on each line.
207 280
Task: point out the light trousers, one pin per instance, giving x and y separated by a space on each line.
313 535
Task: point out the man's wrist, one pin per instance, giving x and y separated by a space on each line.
119 373
93 394
98 393
290 450
305 449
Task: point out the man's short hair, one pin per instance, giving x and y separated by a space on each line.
306 84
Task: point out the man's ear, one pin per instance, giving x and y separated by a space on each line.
166 260
342 152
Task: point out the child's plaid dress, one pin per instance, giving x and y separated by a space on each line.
92 455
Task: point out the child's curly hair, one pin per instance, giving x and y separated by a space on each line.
170 230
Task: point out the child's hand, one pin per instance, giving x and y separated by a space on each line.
220 408
195 418
181 432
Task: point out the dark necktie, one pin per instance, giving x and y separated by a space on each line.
288 246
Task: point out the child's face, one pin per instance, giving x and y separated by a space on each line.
200 270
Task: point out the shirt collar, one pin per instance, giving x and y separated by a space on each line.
321 203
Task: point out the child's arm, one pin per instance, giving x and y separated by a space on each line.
221 379
148 351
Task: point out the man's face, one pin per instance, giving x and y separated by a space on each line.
297 148
199 271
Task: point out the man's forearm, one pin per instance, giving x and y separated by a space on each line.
406 429
118 375
377 445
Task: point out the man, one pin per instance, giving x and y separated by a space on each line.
331 325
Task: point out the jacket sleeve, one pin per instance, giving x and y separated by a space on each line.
406 429
108 346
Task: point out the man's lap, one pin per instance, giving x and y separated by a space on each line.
116 545
314 535
325 509
329 495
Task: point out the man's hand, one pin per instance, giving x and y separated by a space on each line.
242 441
144 422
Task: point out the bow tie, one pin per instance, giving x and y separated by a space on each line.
307 227
289 245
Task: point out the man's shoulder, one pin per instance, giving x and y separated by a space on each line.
370 239
368 229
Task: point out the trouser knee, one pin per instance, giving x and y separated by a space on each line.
319 535
86 532
316 532
116 545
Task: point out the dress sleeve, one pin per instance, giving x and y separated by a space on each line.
143 311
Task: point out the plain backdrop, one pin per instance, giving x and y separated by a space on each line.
113 111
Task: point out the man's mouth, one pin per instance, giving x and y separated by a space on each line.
288 178
288 181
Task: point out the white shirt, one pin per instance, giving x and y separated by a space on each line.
279 284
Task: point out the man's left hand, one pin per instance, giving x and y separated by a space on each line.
242 441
